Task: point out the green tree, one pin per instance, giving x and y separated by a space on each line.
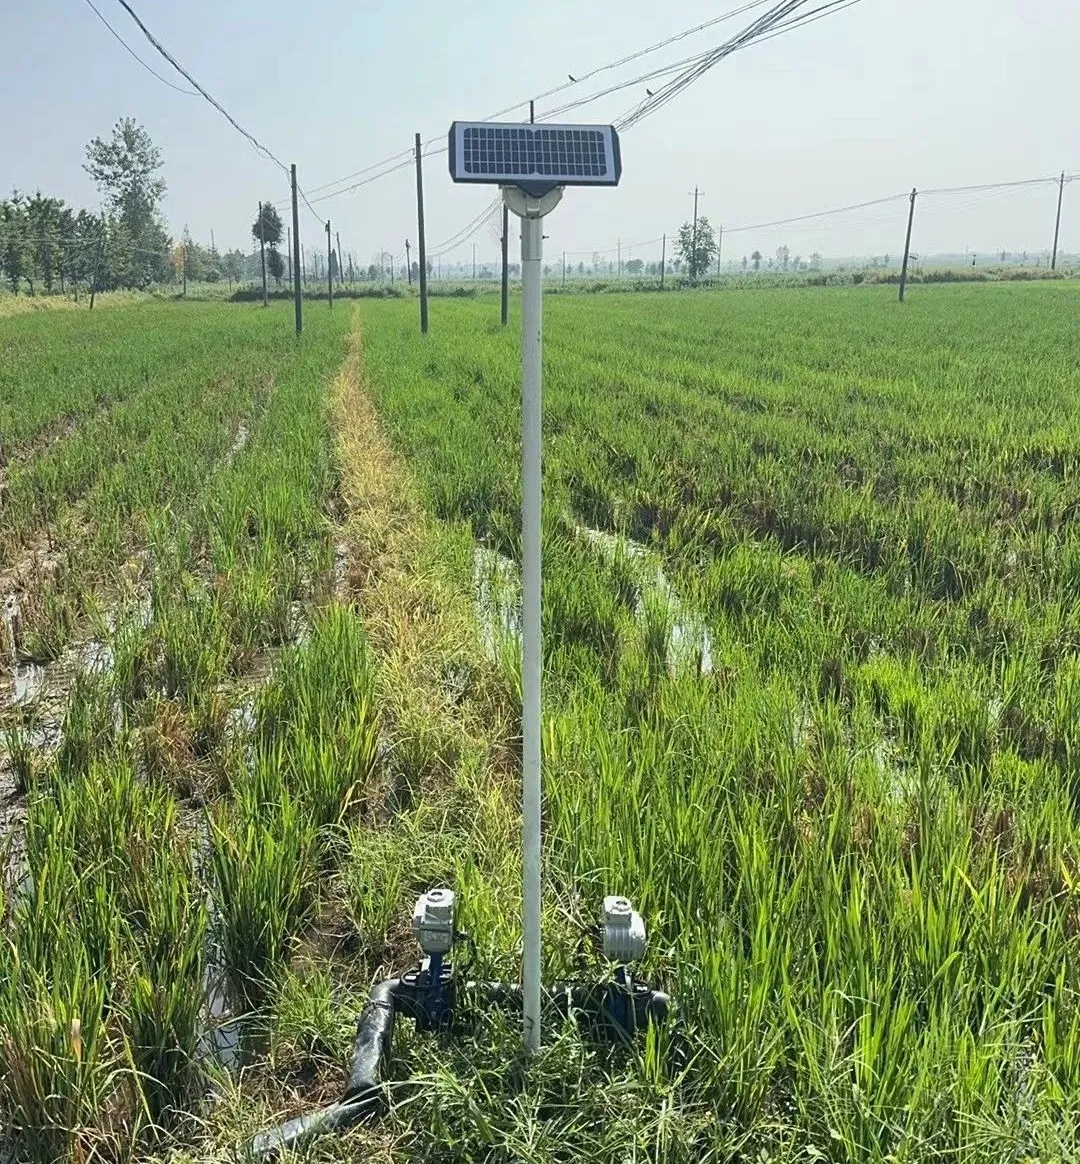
126 169
84 251
275 264
755 258
66 231
696 249
634 266
13 236
233 265
783 256
269 223
43 227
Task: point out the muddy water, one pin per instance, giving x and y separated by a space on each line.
690 643
497 596
497 599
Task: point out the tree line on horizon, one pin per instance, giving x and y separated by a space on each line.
47 246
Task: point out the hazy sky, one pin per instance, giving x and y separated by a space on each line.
881 97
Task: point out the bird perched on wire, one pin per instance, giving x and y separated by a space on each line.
572 77
649 91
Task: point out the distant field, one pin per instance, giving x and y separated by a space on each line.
812 636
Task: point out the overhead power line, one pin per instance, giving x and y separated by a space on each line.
980 188
817 214
462 236
215 103
127 48
184 73
432 149
780 18
993 186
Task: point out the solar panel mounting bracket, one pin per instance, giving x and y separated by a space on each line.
525 204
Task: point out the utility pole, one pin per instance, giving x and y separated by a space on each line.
298 298
262 252
329 266
183 259
663 259
408 262
340 268
391 270
719 248
420 240
693 243
213 245
303 263
505 266
907 246
1057 221
97 263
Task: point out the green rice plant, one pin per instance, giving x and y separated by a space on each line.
165 1006
193 645
854 836
58 1071
307 1025
22 757
48 623
89 727
131 672
317 721
374 876
262 858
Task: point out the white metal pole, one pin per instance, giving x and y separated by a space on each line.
532 249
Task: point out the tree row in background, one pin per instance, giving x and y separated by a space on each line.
47 246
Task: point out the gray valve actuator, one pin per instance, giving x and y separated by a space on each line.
624 931
433 921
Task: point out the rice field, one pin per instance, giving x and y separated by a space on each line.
812 675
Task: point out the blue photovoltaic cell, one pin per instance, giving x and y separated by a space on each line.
525 152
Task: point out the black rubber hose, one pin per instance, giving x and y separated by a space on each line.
374 1039
363 1094
649 1005
374 1036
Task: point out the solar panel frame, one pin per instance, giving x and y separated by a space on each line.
534 156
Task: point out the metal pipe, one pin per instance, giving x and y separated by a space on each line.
532 253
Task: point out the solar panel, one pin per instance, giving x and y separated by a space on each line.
534 156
